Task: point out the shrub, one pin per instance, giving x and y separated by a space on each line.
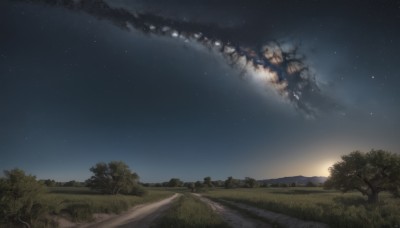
138 190
20 199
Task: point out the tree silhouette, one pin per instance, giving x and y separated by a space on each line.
113 178
207 182
369 173
250 182
175 182
231 183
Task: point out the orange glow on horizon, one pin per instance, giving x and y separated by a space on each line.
323 168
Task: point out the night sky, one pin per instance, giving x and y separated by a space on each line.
190 89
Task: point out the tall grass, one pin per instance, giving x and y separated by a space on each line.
190 212
78 203
331 207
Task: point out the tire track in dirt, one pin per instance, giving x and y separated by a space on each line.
281 219
232 217
140 216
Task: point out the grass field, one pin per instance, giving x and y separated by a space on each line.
331 207
79 203
189 212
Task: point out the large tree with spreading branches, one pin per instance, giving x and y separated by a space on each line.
113 178
369 173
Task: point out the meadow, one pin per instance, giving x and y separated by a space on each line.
78 204
189 212
313 203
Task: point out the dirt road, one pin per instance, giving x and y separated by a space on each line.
142 216
281 219
233 218
139 217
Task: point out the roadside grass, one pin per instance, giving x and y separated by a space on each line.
249 214
78 204
190 212
316 204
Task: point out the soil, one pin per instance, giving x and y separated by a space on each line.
140 216
232 217
276 218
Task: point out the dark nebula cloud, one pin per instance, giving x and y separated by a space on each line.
271 65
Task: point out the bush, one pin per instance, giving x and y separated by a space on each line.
20 200
138 190
112 178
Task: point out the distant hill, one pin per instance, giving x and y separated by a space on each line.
299 180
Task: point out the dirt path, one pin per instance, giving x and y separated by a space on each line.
233 218
281 219
140 216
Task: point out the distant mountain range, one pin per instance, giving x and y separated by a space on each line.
299 180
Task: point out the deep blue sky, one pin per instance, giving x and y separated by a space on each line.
77 89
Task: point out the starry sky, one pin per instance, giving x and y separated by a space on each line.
198 88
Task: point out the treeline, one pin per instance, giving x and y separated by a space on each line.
207 182
176 182
53 183
229 183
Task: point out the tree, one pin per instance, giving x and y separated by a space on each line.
250 182
231 183
369 173
310 184
175 182
190 186
218 183
113 178
19 202
207 182
283 185
198 186
48 182
73 183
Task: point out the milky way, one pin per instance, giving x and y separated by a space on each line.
274 64
189 89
